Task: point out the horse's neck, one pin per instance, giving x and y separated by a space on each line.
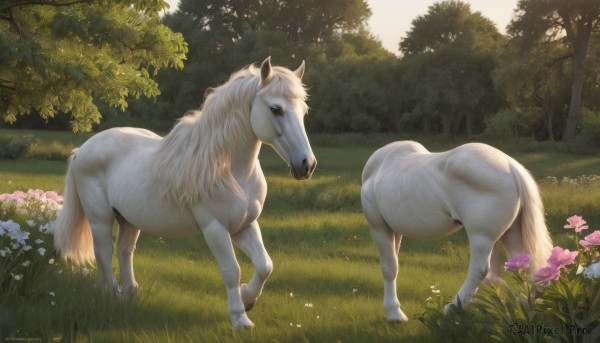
242 146
245 157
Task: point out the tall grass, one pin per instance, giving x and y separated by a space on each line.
326 285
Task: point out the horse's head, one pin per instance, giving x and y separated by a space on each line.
278 117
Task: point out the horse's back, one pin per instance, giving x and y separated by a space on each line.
380 156
105 148
424 194
112 162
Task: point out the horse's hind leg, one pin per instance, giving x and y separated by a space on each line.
251 243
103 249
388 244
128 235
479 264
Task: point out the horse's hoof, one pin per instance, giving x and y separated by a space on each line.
243 323
396 316
249 306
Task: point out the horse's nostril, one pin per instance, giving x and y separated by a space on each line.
305 166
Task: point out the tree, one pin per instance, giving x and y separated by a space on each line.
63 55
225 35
448 56
352 89
570 20
535 87
302 21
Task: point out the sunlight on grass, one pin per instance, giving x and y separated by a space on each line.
326 285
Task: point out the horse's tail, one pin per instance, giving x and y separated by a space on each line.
72 234
534 233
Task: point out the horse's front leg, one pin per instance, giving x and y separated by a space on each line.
219 241
250 242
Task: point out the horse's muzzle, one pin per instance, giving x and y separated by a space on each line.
303 170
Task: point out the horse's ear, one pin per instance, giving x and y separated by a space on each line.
266 70
300 71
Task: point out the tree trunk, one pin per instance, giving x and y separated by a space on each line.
468 124
574 116
579 39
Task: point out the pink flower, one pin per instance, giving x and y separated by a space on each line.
519 262
546 275
561 257
591 239
577 223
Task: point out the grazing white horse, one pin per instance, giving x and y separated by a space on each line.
409 191
203 177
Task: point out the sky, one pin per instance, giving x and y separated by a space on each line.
391 19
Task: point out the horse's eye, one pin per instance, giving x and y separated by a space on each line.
276 110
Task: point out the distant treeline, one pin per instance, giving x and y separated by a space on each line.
455 73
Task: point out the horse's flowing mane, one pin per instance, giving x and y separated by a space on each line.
193 162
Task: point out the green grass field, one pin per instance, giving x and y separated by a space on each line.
326 285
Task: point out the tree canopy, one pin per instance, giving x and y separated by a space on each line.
455 73
449 54
571 21
65 56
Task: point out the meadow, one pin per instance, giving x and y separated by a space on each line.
326 285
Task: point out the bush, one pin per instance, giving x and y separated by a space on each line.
510 123
54 151
13 147
26 249
560 303
590 132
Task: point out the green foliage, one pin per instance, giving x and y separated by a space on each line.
226 35
53 151
591 127
568 21
445 74
510 123
14 147
534 82
535 309
60 58
353 91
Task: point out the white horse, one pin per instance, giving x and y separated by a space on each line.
408 191
203 177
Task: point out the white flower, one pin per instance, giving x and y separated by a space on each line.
4 252
309 305
26 263
44 228
298 325
41 251
592 271
27 248
85 271
18 277
354 290
30 223
52 294
53 303
39 241
51 261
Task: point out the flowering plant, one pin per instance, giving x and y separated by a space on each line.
561 300
26 248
